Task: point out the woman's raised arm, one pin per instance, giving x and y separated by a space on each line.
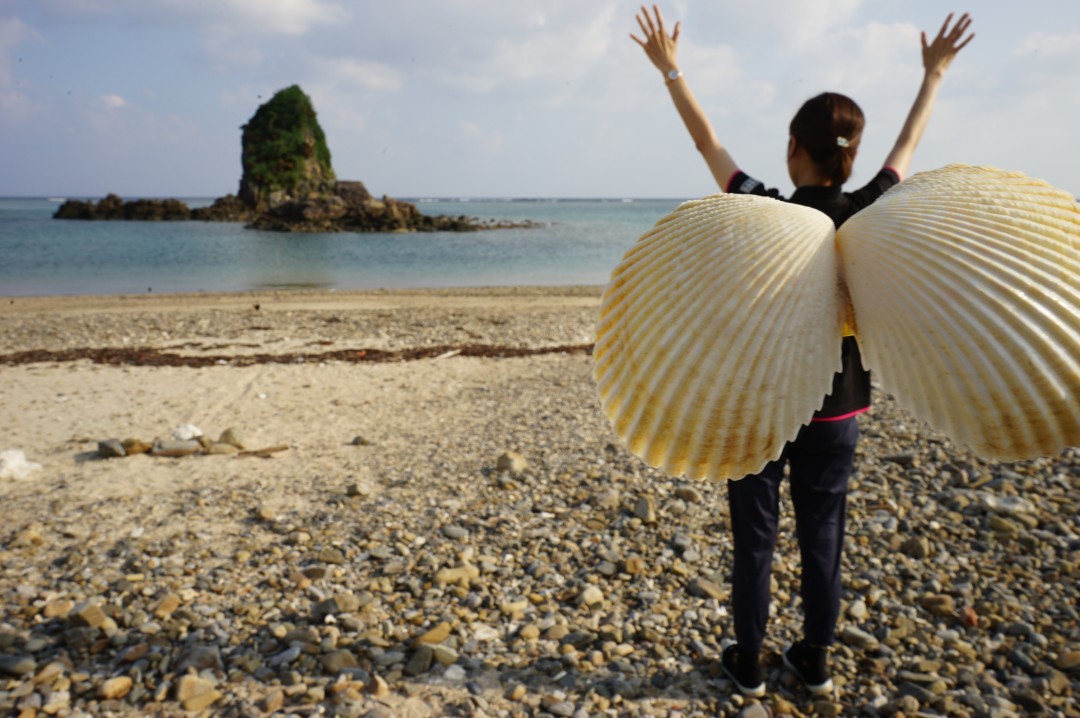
661 49
937 56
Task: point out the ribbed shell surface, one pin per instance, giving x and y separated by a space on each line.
719 334
964 283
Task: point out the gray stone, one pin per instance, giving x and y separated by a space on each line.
17 665
199 657
420 662
176 448
111 449
455 533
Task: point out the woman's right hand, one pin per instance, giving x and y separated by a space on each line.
658 45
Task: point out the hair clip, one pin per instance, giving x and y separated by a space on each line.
842 142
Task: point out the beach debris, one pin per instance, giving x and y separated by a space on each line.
265 452
231 442
13 465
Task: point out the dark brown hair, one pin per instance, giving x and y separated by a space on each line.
817 126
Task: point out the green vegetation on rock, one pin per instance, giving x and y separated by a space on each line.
284 152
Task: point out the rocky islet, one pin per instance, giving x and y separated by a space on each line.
287 185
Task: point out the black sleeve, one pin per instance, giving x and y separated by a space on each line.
742 183
864 197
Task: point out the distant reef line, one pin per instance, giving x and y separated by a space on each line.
348 208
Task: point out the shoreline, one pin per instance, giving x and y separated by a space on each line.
463 534
358 298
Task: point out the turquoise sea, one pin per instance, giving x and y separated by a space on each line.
579 242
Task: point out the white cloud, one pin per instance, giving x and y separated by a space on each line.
791 24
871 57
478 47
113 102
361 73
274 17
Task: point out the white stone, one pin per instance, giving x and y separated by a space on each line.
186 432
454 673
13 465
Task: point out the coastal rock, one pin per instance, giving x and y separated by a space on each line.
224 209
287 185
112 207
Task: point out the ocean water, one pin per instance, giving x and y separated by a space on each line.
579 242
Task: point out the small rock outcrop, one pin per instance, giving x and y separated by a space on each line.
288 185
113 207
224 209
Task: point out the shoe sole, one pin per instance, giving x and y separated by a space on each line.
817 690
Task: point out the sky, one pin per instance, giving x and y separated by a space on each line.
493 98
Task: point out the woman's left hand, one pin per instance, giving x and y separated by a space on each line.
939 54
658 45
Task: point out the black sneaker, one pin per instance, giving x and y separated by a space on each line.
744 669
808 662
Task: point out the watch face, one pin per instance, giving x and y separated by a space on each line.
673 75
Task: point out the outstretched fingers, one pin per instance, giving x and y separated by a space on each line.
952 37
658 45
937 55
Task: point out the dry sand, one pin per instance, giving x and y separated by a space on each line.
631 564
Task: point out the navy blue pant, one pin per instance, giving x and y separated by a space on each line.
821 460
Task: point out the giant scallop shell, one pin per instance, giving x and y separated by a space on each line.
965 283
719 334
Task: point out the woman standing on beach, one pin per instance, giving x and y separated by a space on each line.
824 139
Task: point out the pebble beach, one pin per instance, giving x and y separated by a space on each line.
415 508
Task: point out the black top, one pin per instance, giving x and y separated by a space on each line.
851 386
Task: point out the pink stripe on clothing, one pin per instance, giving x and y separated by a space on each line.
894 171
727 187
842 416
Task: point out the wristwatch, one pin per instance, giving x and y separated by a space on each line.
672 76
